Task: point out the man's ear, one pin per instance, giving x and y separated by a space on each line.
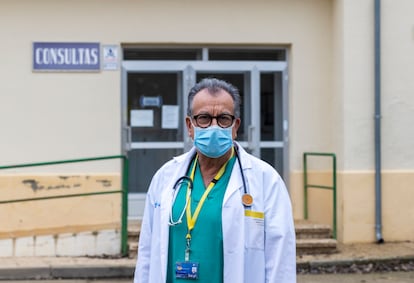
190 128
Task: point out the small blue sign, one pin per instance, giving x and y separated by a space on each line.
66 56
150 101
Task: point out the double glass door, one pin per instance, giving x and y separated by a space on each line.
154 106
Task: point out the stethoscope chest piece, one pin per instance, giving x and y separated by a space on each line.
247 199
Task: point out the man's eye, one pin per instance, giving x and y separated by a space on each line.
225 118
204 117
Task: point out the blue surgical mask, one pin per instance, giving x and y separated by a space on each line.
213 141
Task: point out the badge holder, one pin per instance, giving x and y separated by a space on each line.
187 269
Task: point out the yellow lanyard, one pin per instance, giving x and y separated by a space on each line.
191 220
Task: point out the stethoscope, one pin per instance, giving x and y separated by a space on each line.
247 199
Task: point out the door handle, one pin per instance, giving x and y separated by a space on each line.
250 130
128 138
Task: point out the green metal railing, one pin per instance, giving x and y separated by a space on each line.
307 185
123 191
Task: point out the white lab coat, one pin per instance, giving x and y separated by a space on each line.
254 250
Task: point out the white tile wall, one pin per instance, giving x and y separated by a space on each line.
24 246
97 243
45 246
66 245
108 242
6 248
86 244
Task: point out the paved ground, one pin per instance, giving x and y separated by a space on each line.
390 277
362 258
72 281
365 251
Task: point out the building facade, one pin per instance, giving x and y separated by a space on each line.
87 79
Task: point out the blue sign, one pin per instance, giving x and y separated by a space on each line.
66 56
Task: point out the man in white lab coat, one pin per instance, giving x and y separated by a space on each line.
216 213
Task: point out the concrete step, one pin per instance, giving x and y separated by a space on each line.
132 249
308 230
315 246
311 238
134 229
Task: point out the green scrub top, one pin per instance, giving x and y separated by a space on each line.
207 234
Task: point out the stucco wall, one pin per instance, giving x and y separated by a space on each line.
59 215
354 85
51 116
356 204
397 85
54 116
354 118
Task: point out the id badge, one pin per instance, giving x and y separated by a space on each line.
186 270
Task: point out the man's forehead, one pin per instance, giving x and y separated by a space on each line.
212 92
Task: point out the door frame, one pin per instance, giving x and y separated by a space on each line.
188 70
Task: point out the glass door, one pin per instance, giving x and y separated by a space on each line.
155 128
152 122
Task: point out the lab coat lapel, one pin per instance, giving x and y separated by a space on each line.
236 179
178 170
164 227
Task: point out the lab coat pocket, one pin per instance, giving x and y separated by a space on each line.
254 229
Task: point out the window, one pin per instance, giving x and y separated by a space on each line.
197 54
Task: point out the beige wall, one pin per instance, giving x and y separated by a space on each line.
62 215
356 204
358 208
354 122
354 84
398 85
81 119
53 116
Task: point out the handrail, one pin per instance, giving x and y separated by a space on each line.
123 191
333 187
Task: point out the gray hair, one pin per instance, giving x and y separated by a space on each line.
213 86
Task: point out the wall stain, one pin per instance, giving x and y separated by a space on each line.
36 186
66 182
105 183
